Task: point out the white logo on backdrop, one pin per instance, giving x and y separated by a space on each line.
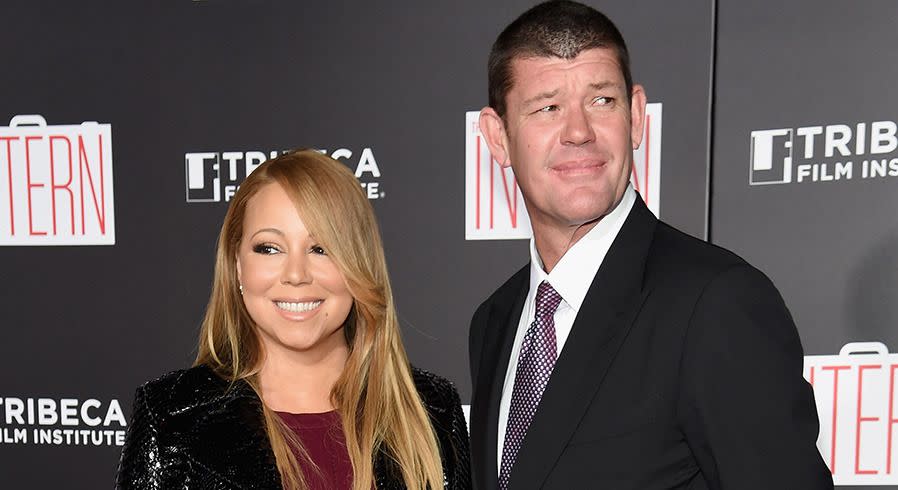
494 206
61 422
856 403
837 152
56 183
215 176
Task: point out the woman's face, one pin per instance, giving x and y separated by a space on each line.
292 289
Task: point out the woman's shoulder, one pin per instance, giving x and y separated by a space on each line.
184 383
198 427
438 393
442 402
179 391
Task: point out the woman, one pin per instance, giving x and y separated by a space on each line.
301 380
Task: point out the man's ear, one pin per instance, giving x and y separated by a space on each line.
637 115
493 129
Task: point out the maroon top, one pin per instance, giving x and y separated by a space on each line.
322 438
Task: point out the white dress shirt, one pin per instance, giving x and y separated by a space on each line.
571 278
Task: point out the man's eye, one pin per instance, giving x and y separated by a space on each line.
318 249
549 108
266 249
602 100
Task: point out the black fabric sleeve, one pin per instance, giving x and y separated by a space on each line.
146 463
748 415
443 405
461 475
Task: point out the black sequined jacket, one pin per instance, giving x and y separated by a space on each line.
189 431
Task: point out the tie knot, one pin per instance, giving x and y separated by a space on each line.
547 300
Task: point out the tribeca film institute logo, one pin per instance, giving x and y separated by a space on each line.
494 206
56 183
61 422
824 153
215 176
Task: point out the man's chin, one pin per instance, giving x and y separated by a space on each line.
588 212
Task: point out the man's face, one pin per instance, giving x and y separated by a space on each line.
569 135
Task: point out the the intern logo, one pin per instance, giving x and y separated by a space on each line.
856 393
494 205
56 183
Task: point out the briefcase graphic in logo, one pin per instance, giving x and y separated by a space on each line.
771 157
494 206
56 183
857 403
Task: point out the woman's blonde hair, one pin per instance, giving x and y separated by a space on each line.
376 397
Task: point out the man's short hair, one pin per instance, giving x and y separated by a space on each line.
557 28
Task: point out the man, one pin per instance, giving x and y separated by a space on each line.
626 355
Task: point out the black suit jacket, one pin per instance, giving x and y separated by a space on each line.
683 369
190 430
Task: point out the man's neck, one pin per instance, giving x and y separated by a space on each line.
552 242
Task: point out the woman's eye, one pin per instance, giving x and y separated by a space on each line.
266 249
318 249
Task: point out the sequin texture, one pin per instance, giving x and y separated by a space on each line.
192 430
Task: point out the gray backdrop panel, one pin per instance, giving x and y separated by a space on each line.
219 76
830 246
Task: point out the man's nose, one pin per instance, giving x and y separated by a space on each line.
577 128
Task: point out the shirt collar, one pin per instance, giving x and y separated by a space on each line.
573 274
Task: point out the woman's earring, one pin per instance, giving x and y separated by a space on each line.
241 289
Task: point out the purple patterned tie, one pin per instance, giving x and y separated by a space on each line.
535 364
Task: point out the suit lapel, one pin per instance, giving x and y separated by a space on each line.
501 325
602 324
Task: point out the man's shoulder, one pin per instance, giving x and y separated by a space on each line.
686 266
675 251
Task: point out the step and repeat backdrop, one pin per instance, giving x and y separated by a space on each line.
804 179
126 128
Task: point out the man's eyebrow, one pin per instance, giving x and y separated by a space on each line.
548 95
542 96
603 85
